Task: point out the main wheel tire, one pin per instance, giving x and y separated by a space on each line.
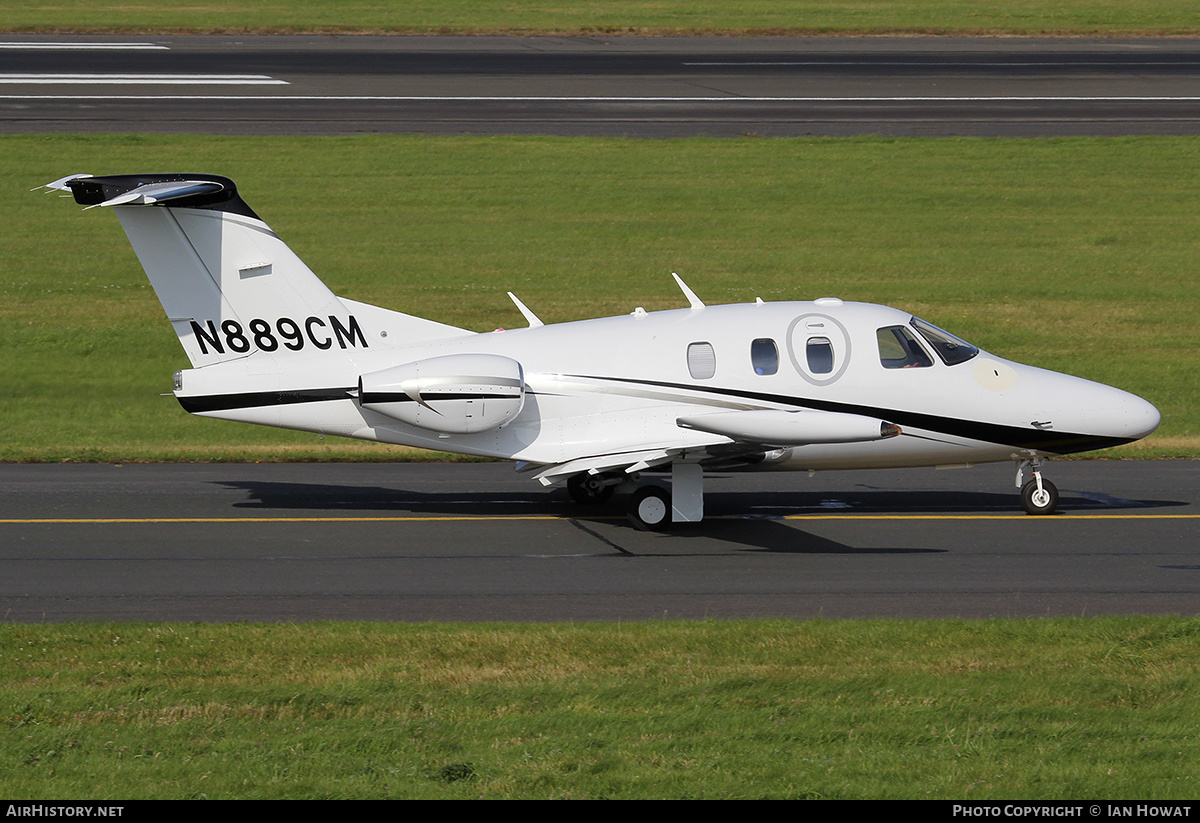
1040 502
589 489
650 509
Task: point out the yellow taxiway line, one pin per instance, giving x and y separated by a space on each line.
503 517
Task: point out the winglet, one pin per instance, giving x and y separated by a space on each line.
696 302
530 316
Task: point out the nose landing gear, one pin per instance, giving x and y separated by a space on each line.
1038 496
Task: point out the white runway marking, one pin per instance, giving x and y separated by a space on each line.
84 46
142 79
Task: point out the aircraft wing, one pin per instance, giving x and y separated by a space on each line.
783 427
739 437
714 450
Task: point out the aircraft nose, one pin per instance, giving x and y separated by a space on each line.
1111 412
1140 417
1096 415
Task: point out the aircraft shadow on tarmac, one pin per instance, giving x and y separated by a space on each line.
729 504
756 535
730 524
749 520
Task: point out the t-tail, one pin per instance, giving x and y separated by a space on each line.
229 285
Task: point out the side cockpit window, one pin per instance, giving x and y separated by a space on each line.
899 349
951 349
764 356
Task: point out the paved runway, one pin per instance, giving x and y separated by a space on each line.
645 87
280 542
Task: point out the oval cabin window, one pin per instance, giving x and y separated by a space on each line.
819 353
764 356
702 361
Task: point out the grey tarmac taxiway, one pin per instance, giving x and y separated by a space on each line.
274 542
624 86
416 542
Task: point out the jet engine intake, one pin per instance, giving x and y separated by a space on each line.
451 394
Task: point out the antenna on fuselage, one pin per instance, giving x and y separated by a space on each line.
696 302
532 318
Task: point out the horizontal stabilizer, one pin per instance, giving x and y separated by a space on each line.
778 427
61 183
152 193
196 191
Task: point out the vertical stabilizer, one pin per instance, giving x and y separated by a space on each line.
228 284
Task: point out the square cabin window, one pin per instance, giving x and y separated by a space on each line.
764 356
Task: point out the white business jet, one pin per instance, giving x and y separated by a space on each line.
593 404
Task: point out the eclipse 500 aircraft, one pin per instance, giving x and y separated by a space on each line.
596 403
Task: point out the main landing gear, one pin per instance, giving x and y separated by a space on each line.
592 489
1038 496
651 507
654 508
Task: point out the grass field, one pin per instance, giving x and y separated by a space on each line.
1077 255
1142 17
982 710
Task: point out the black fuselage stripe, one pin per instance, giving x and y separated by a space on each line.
399 397
252 400
1040 439
1016 436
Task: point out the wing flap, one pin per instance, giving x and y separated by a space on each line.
627 462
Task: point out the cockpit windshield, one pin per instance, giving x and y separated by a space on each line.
951 349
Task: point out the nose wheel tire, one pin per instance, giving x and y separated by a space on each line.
650 509
1039 501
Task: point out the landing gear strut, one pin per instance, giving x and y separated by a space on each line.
1038 496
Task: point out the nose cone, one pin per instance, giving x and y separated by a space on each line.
1140 418
1102 415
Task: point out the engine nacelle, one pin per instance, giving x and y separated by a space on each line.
451 394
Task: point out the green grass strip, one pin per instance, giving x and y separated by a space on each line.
977 710
1078 17
1077 255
